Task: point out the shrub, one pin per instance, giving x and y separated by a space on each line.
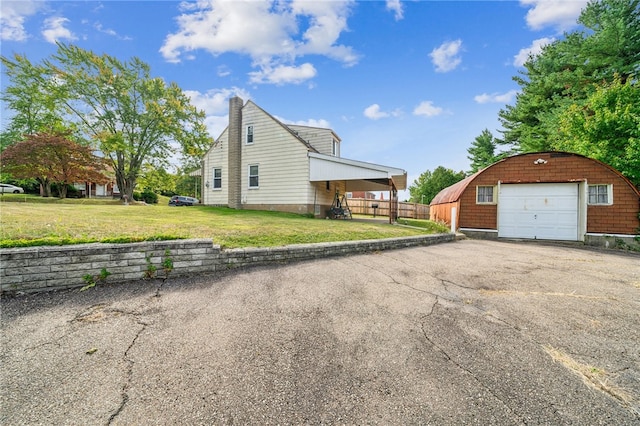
147 196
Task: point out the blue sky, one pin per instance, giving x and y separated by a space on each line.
407 84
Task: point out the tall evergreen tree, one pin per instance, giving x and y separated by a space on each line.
482 152
565 72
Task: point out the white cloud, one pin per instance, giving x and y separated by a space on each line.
283 74
224 71
215 104
273 33
13 15
100 28
312 122
54 30
533 50
215 101
502 98
446 56
373 112
560 14
396 7
427 109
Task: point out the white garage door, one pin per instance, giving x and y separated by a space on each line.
543 211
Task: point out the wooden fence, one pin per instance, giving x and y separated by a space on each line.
407 210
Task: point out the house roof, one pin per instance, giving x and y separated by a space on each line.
358 175
284 126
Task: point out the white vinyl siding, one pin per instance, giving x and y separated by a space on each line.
283 163
600 195
322 140
217 157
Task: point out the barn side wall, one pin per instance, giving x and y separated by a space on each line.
619 218
442 212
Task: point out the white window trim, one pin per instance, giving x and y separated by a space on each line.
335 149
213 179
246 134
486 203
609 194
258 176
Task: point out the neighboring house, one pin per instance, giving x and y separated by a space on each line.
362 194
92 189
260 163
545 195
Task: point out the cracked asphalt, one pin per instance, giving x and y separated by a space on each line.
470 332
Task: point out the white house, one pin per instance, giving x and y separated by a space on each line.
260 163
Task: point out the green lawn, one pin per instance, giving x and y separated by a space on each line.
28 221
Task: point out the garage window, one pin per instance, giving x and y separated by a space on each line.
485 195
600 195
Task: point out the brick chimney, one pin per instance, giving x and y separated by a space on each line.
234 165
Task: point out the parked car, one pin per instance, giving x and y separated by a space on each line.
179 200
12 189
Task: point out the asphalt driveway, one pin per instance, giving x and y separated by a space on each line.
471 332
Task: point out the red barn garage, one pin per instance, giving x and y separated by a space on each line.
546 196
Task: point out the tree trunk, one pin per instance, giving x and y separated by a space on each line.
62 189
45 187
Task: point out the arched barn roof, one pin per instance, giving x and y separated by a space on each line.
452 193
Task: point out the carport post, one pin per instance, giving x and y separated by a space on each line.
453 219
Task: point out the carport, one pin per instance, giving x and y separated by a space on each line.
359 176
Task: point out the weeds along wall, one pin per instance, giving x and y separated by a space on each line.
33 269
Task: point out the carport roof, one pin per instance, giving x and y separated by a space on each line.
358 175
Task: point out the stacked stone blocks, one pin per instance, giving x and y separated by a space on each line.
34 269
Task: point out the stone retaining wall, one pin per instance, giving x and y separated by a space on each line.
34 269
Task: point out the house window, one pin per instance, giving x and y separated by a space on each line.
249 135
334 148
328 186
601 195
485 195
217 178
253 176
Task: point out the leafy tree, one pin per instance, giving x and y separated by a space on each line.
33 98
426 187
613 46
52 158
565 72
188 185
606 127
157 180
482 152
134 118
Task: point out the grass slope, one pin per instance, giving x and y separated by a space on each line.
30 221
